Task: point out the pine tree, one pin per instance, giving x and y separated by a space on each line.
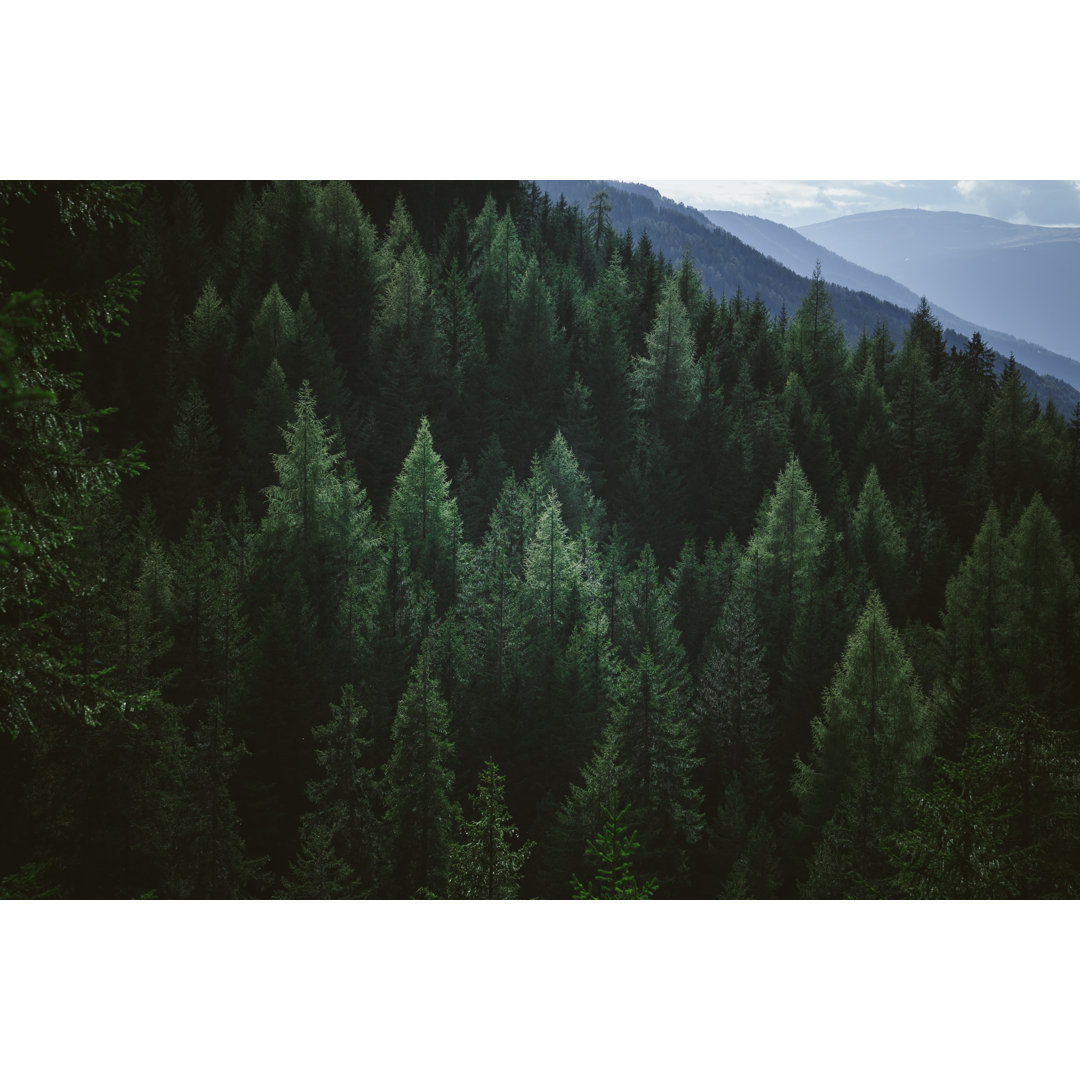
878 549
218 868
732 707
976 600
1040 626
206 358
316 363
550 572
418 783
192 467
461 357
344 277
260 432
783 562
599 217
532 365
1007 449
654 744
756 873
483 864
868 744
817 351
663 381
318 873
424 514
47 475
559 470
499 269
606 359
613 849
341 834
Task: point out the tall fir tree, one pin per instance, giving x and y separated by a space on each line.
418 780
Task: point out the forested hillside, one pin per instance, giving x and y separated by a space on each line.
802 255
729 266
446 541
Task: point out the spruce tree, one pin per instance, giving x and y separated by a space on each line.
868 744
613 850
418 781
485 864
425 516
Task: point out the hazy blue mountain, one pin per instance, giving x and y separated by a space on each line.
728 265
800 254
1021 279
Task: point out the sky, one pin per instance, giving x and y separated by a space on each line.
803 202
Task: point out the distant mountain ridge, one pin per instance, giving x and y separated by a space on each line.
728 264
1023 280
800 254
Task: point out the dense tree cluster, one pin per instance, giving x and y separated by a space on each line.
474 550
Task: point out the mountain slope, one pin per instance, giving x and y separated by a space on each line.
800 254
1021 279
728 265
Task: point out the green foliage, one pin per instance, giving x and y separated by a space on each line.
550 571
868 745
483 864
214 864
816 349
425 516
878 549
418 782
732 707
663 381
783 565
999 823
673 519
654 743
48 474
613 850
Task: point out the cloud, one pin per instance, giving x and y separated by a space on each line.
1023 202
801 202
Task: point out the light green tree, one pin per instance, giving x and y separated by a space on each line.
663 381
424 514
869 743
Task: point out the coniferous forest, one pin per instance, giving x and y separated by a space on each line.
436 540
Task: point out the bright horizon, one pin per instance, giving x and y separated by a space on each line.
805 202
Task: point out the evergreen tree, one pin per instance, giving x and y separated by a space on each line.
867 747
424 514
319 873
532 365
217 867
606 359
341 834
732 707
877 545
1007 449
484 865
550 572
783 562
418 783
816 350
976 600
663 381
260 431
193 464
613 849
47 474
654 744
